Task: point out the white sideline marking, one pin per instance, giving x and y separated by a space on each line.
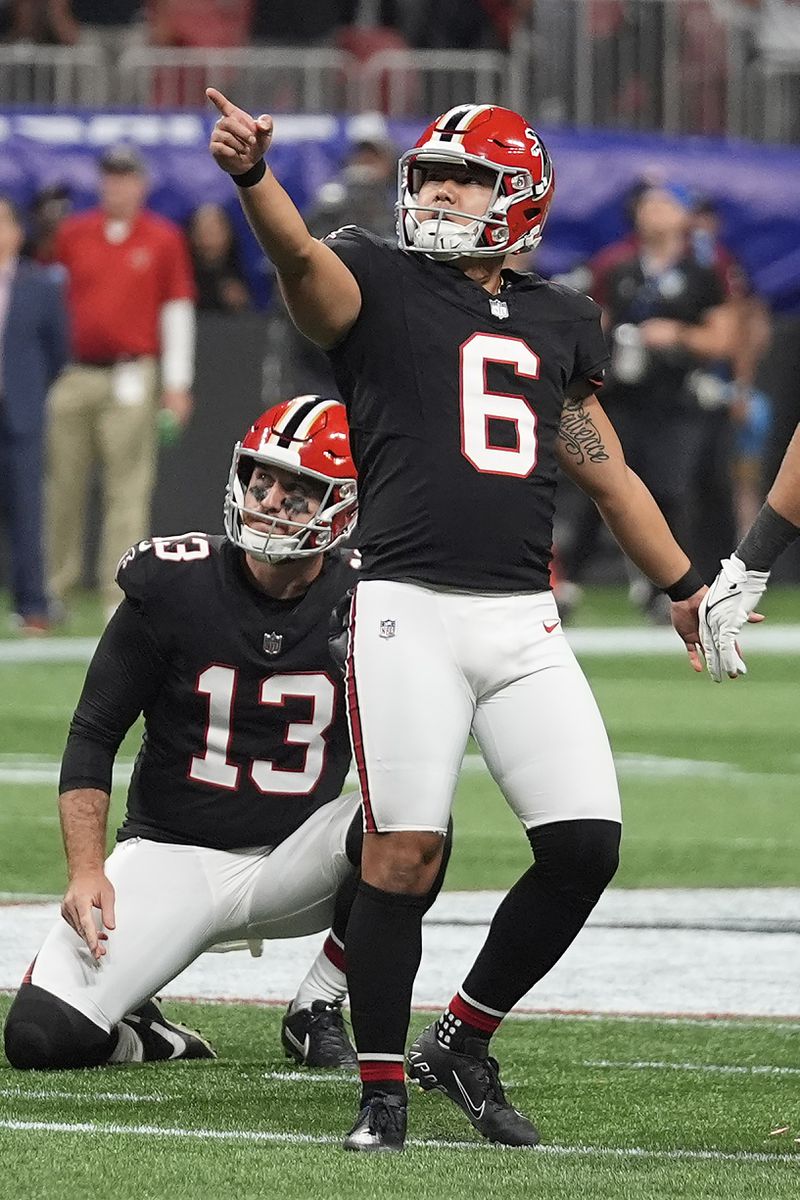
322 1139
618 640
713 1068
335 1076
19 1093
636 766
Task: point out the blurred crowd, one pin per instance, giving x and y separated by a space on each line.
120 23
100 308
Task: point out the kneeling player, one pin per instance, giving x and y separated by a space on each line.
234 827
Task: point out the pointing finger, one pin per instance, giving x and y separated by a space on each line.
220 102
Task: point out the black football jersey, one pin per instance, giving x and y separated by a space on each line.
454 399
245 723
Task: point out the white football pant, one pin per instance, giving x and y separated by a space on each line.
173 902
428 666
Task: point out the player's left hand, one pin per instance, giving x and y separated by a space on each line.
725 609
685 621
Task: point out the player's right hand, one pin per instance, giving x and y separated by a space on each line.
85 893
726 607
238 141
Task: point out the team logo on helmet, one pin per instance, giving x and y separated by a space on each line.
494 139
308 437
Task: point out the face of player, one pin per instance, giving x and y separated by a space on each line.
466 188
277 493
122 194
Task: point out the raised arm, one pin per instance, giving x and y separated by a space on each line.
590 453
321 293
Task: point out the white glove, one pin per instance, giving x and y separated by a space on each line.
724 611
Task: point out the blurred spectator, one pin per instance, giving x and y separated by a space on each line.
667 316
48 210
453 25
733 383
130 299
286 22
111 26
363 194
33 350
219 279
220 23
20 20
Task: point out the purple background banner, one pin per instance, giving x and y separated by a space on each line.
755 187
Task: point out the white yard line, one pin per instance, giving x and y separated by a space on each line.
321 1139
706 1068
617 641
19 1093
38 771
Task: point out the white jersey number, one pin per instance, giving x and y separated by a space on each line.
213 766
479 406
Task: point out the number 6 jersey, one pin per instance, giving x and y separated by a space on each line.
245 728
454 401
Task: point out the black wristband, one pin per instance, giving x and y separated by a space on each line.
251 177
686 586
767 538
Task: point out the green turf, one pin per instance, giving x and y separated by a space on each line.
599 606
727 819
545 1061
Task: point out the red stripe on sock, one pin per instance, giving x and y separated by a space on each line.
473 1016
335 954
380 1072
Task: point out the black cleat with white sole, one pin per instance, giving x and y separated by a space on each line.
381 1126
317 1037
162 1039
472 1081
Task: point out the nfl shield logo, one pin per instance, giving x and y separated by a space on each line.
387 629
499 308
273 643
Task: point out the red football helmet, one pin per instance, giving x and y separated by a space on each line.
489 137
309 437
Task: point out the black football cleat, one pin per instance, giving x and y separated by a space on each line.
316 1037
163 1039
381 1126
472 1081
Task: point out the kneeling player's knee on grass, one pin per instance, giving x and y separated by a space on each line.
577 857
43 1033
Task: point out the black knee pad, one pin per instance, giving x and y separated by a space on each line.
577 857
42 1033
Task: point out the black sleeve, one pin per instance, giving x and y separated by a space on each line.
359 252
591 356
710 291
125 673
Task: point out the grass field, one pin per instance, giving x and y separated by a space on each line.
633 1109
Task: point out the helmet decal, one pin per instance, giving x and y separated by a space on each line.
307 436
504 144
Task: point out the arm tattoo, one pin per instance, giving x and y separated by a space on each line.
580 435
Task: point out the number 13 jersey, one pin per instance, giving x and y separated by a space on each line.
454 400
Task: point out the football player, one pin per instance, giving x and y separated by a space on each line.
737 589
235 826
467 385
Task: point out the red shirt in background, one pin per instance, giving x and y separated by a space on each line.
117 289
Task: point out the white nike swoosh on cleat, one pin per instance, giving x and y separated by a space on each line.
300 1047
476 1112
